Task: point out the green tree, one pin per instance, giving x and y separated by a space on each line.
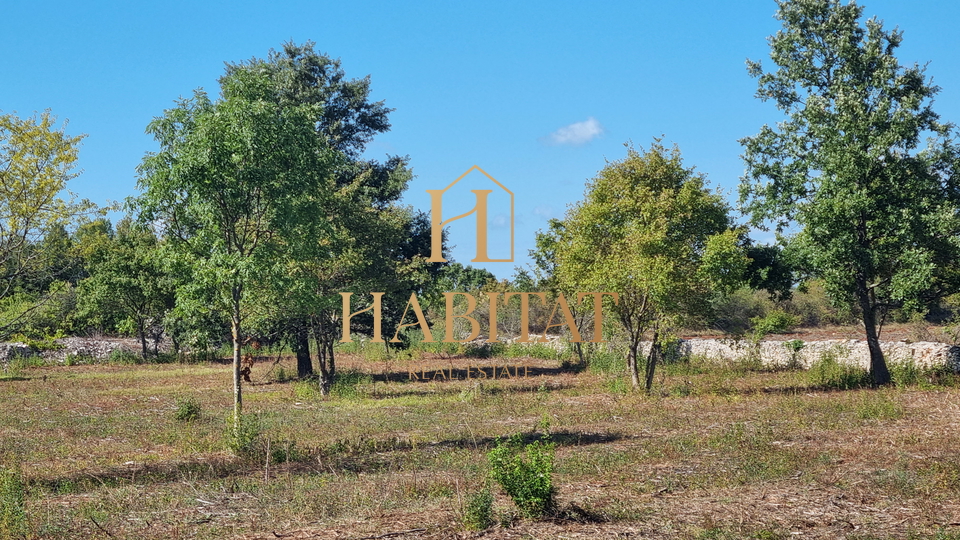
878 215
127 282
239 186
649 230
371 243
36 162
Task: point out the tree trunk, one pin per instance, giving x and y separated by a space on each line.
143 338
878 366
330 359
235 331
326 378
301 346
632 363
652 359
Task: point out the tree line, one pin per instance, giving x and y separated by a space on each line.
259 208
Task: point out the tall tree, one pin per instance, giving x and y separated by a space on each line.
372 243
36 162
237 185
878 214
649 230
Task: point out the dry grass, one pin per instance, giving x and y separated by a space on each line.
718 453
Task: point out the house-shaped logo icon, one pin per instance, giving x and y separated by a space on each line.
437 223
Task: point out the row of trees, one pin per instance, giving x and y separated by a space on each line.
876 215
258 209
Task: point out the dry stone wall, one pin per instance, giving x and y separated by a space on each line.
924 354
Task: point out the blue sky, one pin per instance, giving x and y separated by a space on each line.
538 94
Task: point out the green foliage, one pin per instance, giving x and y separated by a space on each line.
777 322
878 214
828 372
13 516
129 289
605 362
525 472
478 514
36 162
244 187
635 234
794 346
188 409
878 406
39 344
244 435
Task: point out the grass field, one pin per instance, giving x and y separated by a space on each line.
142 451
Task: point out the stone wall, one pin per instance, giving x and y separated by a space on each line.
923 354
81 348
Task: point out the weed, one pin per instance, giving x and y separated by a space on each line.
78 359
618 385
306 390
286 451
188 410
608 363
828 373
525 471
24 362
243 437
776 322
794 346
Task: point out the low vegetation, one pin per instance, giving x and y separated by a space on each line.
149 451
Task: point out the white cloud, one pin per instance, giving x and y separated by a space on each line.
501 221
544 211
577 133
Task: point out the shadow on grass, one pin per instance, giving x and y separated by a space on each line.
365 455
487 373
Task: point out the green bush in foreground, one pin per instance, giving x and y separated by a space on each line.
478 514
525 472
188 410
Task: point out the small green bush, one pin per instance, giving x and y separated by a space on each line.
188 410
478 514
245 440
525 472
794 346
777 322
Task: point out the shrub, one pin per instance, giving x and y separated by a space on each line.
478 514
525 471
188 410
244 440
776 322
